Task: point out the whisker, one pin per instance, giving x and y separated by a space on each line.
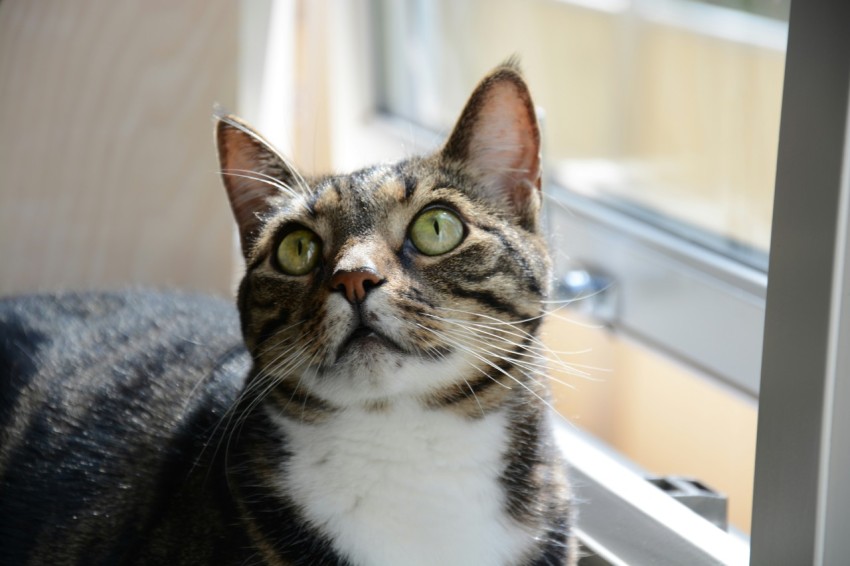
260 390
231 121
227 418
519 332
473 353
265 346
254 176
539 369
574 322
514 379
539 366
529 341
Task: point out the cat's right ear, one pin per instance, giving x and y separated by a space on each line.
256 176
497 141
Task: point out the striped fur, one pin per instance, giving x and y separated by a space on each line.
408 425
110 407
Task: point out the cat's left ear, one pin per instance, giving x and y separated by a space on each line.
497 141
256 176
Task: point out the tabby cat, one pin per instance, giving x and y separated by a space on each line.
377 400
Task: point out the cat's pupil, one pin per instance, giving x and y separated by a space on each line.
300 246
436 227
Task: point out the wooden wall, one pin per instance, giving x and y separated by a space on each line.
107 166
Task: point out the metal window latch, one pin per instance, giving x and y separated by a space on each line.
703 500
590 291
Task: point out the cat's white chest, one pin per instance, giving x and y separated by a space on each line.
408 486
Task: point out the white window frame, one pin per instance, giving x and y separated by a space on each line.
801 501
801 505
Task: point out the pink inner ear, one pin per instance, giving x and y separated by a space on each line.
504 146
243 162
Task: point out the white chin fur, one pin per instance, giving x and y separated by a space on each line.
405 486
385 374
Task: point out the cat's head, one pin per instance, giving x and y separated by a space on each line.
419 279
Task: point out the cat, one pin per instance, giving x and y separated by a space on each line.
376 398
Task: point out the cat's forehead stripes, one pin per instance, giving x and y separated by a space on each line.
368 187
364 202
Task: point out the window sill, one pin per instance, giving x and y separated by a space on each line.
624 519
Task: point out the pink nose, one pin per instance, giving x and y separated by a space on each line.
355 284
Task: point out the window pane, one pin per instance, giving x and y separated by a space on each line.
668 109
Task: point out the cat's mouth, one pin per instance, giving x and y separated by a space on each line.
367 340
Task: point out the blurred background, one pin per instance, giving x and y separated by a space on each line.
107 167
660 120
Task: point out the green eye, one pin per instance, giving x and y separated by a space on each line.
299 252
436 231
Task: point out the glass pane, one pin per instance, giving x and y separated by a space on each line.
668 109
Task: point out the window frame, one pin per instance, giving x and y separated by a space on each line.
801 502
631 521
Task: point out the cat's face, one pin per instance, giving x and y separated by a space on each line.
396 280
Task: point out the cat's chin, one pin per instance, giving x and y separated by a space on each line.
364 343
372 370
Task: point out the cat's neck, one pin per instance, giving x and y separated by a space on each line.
405 484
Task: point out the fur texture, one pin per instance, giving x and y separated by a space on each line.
394 408
110 407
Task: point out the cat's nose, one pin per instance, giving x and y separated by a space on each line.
355 284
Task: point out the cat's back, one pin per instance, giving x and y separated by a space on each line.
108 403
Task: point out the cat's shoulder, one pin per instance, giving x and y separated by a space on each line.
117 345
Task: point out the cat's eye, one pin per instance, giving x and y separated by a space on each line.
436 231
299 252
